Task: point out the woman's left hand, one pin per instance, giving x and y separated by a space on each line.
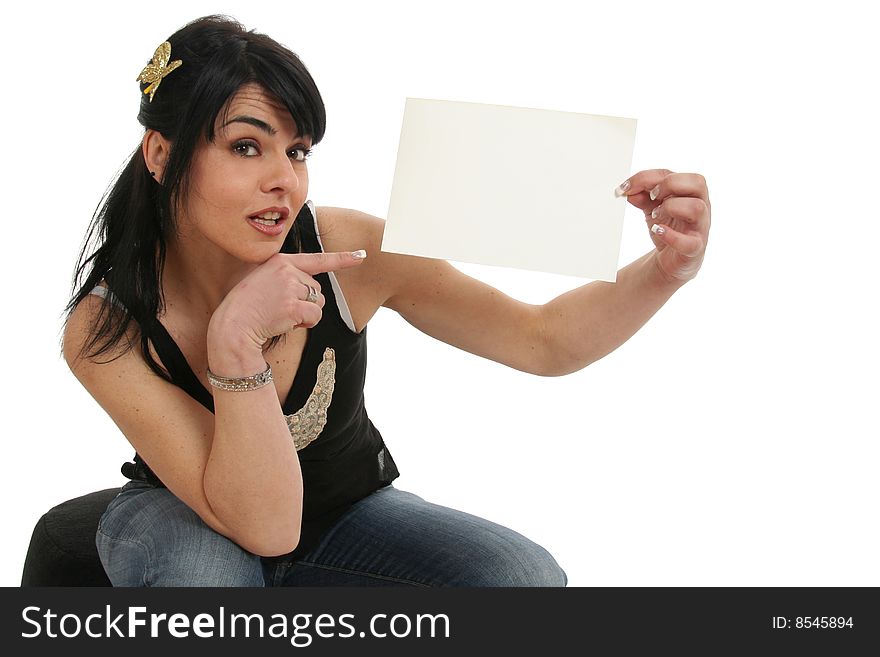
678 213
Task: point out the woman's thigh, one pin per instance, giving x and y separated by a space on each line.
395 538
148 537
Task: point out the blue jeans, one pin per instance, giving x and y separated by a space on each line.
148 537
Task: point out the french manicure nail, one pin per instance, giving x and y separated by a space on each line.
655 193
655 212
657 229
360 254
622 188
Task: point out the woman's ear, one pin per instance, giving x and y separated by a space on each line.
156 150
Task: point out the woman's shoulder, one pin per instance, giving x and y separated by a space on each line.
82 322
366 286
345 229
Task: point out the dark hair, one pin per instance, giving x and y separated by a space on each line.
132 224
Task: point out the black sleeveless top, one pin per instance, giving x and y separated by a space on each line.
347 458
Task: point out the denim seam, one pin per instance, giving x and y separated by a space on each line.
351 571
132 542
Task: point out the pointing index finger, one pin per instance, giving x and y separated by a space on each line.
316 263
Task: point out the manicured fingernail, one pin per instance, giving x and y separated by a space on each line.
655 212
622 188
360 255
655 193
657 229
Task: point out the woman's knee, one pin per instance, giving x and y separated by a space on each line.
513 562
151 538
493 555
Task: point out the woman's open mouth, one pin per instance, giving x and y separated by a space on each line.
269 222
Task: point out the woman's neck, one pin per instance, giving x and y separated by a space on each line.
197 277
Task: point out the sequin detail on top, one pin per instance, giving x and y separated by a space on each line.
307 423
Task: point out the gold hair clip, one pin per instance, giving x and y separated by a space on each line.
158 69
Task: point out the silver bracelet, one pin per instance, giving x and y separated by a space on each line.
241 384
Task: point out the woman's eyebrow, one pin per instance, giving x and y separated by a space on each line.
257 123
250 120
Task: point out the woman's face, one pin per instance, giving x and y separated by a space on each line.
248 185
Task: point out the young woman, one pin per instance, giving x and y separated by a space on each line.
220 319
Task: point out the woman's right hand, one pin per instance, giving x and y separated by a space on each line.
271 300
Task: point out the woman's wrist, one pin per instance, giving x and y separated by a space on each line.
659 277
232 352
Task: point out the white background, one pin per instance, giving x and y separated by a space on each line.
730 442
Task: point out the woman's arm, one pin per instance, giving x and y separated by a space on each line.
252 476
557 338
238 468
588 323
569 332
175 435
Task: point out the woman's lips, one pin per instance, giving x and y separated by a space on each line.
272 231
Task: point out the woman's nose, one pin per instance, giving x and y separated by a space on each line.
281 175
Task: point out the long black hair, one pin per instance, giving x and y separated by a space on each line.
126 240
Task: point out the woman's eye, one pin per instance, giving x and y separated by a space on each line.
245 149
300 154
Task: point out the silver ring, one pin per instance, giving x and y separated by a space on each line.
313 294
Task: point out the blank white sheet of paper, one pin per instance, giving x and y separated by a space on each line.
510 186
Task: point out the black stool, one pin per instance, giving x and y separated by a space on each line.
62 551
